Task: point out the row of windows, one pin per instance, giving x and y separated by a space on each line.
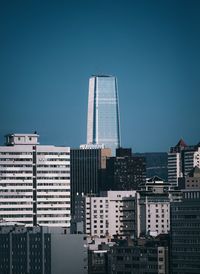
53 153
15 153
15 171
30 196
52 171
53 159
50 166
11 165
19 184
16 159
30 209
30 178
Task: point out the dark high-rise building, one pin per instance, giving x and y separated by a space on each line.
124 172
185 236
87 166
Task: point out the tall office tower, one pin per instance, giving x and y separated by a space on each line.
125 171
103 124
34 182
87 166
185 237
181 159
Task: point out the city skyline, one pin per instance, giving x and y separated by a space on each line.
49 50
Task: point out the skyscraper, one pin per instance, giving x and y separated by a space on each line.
103 125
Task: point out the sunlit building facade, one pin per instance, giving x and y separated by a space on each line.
34 182
103 123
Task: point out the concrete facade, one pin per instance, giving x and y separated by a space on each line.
34 182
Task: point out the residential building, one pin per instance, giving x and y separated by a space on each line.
192 180
34 182
153 208
191 158
181 159
103 122
111 214
175 164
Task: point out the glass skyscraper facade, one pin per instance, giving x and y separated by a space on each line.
103 124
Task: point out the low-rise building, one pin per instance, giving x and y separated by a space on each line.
142 256
111 214
44 250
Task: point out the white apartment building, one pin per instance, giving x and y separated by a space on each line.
191 159
174 167
181 159
111 214
153 208
34 182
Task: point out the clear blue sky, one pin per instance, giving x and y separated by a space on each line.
49 49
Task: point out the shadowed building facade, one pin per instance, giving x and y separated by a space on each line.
87 166
125 171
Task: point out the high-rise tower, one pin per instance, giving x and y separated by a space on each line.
103 125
